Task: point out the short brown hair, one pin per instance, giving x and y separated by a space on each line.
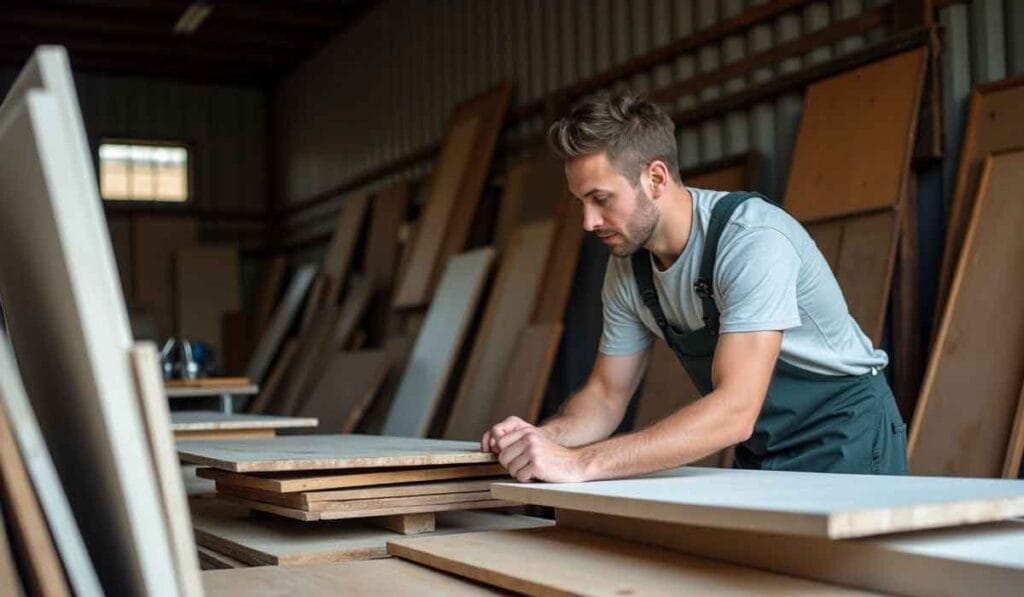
633 131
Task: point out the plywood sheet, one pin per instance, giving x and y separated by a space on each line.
65 310
833 505
861 250
10 580
568 562
348 385
455 189
16 412
554 291
853 149
153 404
508 311
314 346
438 344
319 452
277 329
369 512
209 382
534 190
993 124
306 499
338 258
389 209
738 173
1015 449
281 542
205 420
206 287
526 377
964 417
357 301
291 482
269 389
155 240
381 577
271 281
211 560
982 559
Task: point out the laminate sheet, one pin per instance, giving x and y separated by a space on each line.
319 452
206 286
985 559
438 344
529 369
312 481
15 409
853 149
206 420
382 577
508 311
65 310
964 417
260 541
815 504
556 561
277 329
345 390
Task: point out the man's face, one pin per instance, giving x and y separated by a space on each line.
621 216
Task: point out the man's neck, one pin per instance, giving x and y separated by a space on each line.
673 229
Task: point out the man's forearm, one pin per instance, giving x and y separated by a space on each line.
585 418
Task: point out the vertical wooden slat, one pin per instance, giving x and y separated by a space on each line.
988 55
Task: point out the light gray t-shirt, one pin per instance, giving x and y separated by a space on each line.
769 275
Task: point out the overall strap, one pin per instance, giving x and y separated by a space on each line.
642 272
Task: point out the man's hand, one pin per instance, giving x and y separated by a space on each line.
529 454
489 441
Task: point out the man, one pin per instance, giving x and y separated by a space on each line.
744 298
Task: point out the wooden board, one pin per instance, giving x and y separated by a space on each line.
10 580
834 505
306 499
225 434
861 250
269 390
737 173
560 269
338 259
971 390
356 507
556 561
271 281
508 311
389 207
290 482
319 452
211 560
982 559
357 301
17 417
277 329
408 524
853 149
208 382
1015 448
456 185
525 380
65 310
314 346
534 190
155 240
345 390
438 344
368 512
153 404
381 577
204 420
260 541
992 125
206 286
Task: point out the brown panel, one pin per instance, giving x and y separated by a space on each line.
562 260
964 417
312 481
993 124
526 377
277 373
737 173
312 347
381 259
274 270
534 190
509 308
348 384
338 258
10 581
853 150
455 189
1015 449
155 240
206 286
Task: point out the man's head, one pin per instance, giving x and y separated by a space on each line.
620 153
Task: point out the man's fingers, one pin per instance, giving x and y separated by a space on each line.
510 453
508 425
485 442
513 437
517 464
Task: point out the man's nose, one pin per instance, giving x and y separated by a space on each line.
591 218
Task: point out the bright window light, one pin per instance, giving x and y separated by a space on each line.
144 171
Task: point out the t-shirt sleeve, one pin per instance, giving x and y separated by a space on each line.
756 276
623 332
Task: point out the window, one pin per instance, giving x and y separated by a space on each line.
144 171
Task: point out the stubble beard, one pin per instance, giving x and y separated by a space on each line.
640 227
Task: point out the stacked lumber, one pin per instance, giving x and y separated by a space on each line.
749 532
332 477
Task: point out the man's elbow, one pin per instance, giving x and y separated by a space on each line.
744 419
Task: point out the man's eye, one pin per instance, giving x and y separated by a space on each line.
601 198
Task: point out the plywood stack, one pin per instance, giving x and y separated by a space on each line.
324 478
752 532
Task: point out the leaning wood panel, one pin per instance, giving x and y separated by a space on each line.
311 481
455 188
1015 449
438 344
319 452
557 561
971 560
835 505
993 124
65 311
553 296
338 258
853 150
10 580
965 414
534 190
526 378
268 390
206 286
271 280
349 383
155 240
508 310
280 323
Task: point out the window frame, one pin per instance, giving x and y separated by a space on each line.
190 171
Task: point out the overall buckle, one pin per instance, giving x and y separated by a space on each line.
702 287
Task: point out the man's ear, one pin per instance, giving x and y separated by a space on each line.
658 173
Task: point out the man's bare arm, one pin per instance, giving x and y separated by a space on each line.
742 370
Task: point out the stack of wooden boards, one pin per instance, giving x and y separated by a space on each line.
92 492
330 477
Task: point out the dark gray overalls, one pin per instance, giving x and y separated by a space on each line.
809 421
